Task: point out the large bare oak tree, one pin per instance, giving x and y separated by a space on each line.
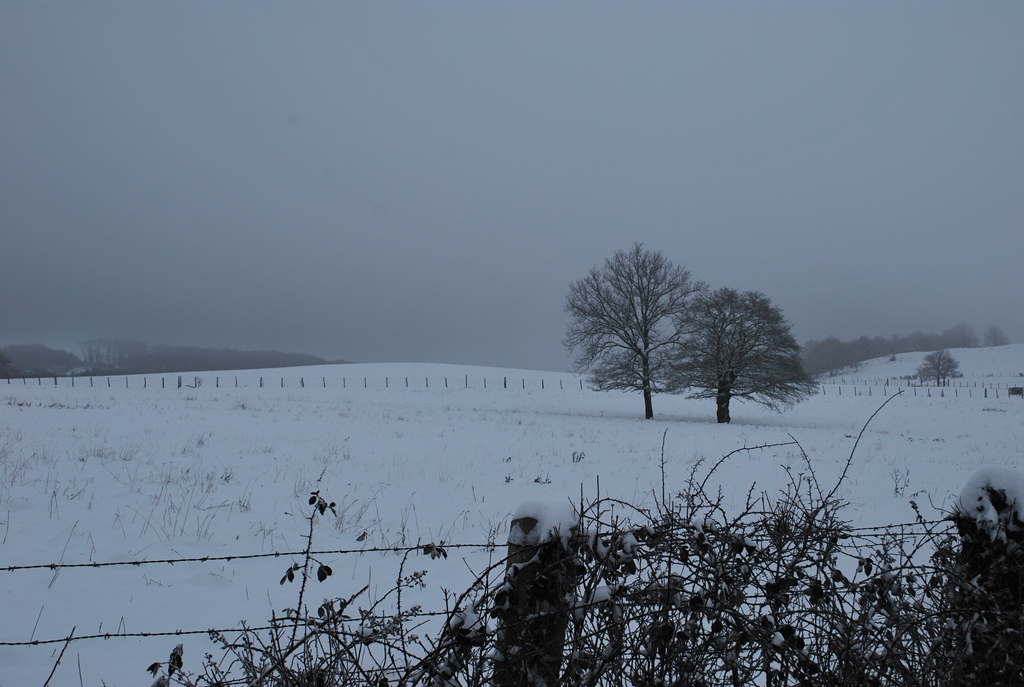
739 345
622 321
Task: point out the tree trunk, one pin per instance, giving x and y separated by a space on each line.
648 408
724 394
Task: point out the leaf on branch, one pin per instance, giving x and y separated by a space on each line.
175 661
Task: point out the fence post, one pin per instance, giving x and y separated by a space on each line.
991 581
539 576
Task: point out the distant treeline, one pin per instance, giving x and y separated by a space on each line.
833 354
126 356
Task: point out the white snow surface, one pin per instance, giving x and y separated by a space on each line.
141 471
976 498
554 519
994 364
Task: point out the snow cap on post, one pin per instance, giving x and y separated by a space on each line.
539 522
1002 484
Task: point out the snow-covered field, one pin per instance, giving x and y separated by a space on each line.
996 367
132 472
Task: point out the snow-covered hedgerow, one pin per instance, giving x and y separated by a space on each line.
783 592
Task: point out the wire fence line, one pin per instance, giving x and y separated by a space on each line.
241 557
863 387
914 391
858 537
1014 379
195 381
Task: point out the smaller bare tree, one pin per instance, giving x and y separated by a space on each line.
939 366
739 345
994 336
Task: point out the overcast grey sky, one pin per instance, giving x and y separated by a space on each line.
421 181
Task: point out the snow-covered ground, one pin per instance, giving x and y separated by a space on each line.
997 367
138 470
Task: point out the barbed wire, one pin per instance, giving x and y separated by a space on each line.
918 527
173 633
275 554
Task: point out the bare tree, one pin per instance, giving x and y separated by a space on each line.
994 336
939 366
960 336
739 345
622 321
6 369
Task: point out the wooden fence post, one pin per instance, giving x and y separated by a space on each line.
538 578
991 555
